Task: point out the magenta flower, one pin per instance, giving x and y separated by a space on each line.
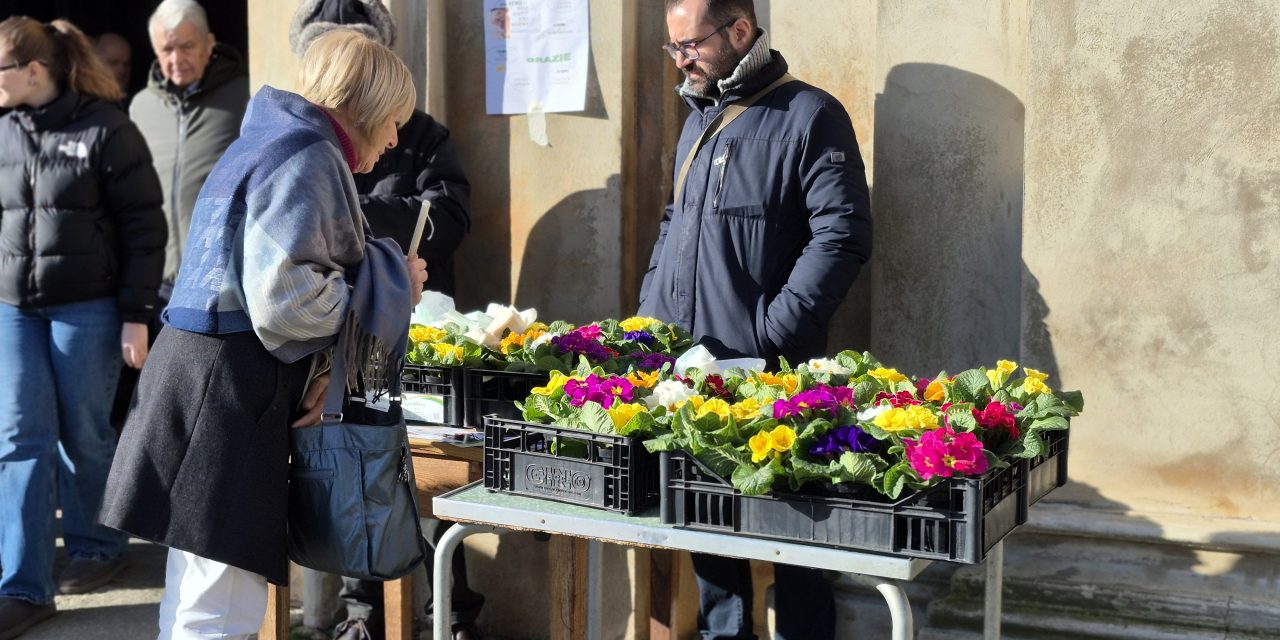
603 391
897 399
590 332
996 417
944 453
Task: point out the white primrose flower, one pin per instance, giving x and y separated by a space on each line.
667 393
827 365
867 415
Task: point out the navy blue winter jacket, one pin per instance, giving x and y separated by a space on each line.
774 225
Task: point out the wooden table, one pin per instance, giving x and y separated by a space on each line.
438 468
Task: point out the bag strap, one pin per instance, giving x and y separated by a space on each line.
722 120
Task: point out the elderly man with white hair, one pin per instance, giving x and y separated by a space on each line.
189 113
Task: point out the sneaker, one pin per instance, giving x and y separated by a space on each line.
83 575
17 616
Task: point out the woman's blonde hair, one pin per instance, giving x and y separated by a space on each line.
64 51
347 72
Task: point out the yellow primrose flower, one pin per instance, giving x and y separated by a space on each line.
995 377
537 326
745 410
1038 375
912 417
789 382
636 323
1035 385
642 379
760 446
886 376
444 350
716 406
696 401
512 339
426 334
935 392
1006 366
623 413
782 438
555 384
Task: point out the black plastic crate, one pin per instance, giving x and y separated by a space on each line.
492 392
958 520
568 465
1048 471
448 382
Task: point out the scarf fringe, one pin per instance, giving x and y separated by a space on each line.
369 362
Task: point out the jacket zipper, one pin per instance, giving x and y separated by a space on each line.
723 161
35 214
675 286
175 183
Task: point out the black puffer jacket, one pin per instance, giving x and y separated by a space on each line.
80 214
423 166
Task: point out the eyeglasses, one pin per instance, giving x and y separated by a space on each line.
690 49
12 66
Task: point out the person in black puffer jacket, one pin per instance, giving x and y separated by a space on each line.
82 241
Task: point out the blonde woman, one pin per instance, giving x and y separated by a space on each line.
276 240
81 246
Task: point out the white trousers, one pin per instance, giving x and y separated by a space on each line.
205 599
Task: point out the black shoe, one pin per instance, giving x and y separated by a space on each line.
17 616
84 574
353 629
466 632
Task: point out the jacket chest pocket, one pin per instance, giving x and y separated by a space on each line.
746 179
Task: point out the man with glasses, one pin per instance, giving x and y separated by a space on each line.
767 228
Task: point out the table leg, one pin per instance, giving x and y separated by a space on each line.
275 625
568 580
899 610
442 575
397 600
993 603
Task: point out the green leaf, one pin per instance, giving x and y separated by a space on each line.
1074 400
724 459
859 467
595 418
864 392
970 385
639 423
1032 445
804 470
1050 423
894 481
708 423
664 442
751 481
961 419
568 448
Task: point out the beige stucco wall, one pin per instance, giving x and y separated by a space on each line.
1152 219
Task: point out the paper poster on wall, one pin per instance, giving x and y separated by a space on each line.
536 55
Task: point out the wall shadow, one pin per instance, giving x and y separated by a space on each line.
948 175
560 273
483 261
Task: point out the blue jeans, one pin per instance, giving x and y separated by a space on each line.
58 371
802 598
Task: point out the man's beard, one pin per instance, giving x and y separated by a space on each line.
707 83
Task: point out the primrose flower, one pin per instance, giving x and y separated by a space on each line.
555 384
945 453
913 417
782 438
669 394
872 412
1035 381
788 382
444 351
935 392
827 365
996 417
638 323
654 361
886 376
623 413
745 410
760 446
846 438
716 406
576 341
426 334
643 379
641 337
